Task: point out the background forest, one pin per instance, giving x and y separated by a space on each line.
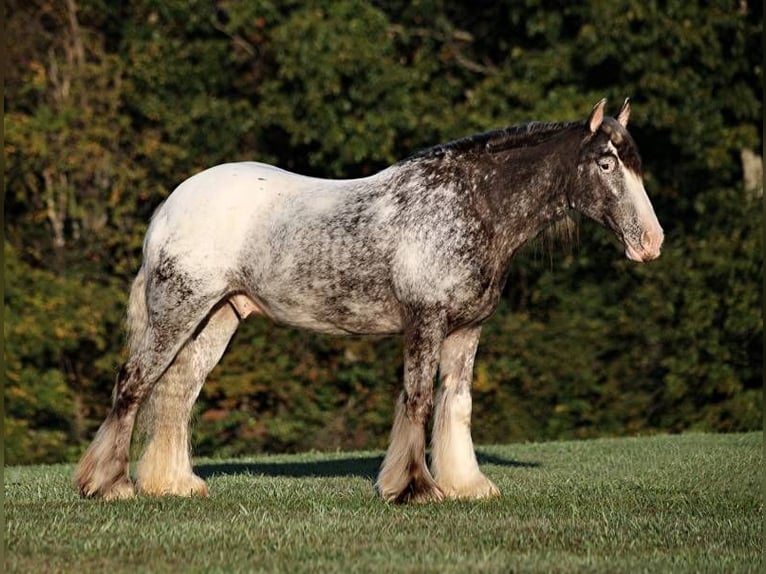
109 105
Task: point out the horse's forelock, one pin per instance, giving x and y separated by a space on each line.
624 143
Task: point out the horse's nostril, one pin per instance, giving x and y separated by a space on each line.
651 240
646 239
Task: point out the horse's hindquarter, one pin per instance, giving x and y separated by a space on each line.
207 219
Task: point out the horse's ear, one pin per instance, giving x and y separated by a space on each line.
624 114
596 116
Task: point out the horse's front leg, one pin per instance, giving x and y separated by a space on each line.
453 459
404 475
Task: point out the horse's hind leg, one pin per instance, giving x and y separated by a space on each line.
156 336
103 469
404 476
165 466
453 459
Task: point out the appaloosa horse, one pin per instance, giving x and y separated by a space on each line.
421 248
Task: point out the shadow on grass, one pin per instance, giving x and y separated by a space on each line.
365 466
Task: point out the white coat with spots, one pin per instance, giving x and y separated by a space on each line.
421 249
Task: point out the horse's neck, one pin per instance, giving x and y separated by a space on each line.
528 190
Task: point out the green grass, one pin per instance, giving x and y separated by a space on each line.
688 503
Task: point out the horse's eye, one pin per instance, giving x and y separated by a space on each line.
607 163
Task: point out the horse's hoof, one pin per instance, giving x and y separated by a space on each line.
120 490
476 489
198 487
91 486
419 491
191 485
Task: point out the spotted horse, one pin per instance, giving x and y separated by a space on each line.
421 249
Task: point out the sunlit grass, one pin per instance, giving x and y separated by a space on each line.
685 503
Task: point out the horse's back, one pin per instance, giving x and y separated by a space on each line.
245 185
214 211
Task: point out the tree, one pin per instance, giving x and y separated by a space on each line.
109 106
62 340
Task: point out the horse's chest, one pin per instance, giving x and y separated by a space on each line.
477 308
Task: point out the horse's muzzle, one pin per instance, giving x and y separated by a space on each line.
649 247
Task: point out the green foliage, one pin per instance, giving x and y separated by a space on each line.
60 349
337 95
341 389
178 93
109 106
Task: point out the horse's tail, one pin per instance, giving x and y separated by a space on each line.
138 318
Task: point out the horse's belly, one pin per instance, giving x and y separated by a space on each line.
340 318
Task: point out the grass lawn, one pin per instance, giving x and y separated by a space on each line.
684 503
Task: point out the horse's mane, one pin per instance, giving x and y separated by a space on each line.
512 137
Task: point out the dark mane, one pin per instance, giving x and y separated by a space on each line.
520 136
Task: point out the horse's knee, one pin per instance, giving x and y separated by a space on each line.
418 405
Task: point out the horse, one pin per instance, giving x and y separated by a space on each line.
421 249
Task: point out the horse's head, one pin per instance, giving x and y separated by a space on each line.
610 188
